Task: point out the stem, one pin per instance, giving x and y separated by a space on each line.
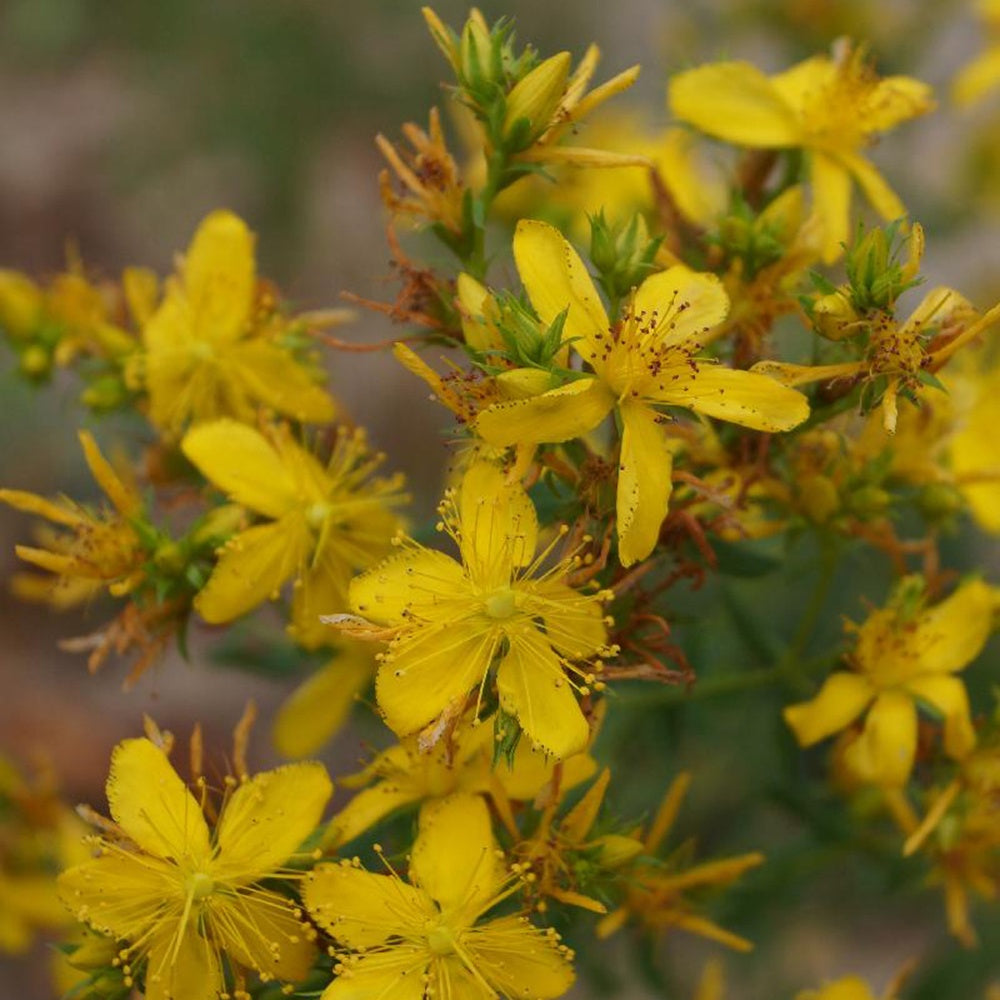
495 169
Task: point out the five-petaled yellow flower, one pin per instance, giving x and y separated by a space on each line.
903 654
324 522
450 621
212 351
832 108
182 897
648 359
428 938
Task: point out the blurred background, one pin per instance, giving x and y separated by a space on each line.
122 123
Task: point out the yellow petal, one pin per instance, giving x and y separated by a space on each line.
700 194
142 290
883 753
537 95
516 957
361 909
679 304
31 503
951 634
219 277
894 100
644 482
532 771
947 695
883 199
260 931
577 822
499 526
848 988
841 699
978 78
734 101
126 501
749 399
119 895
417 576
192 972
831 183
152 805
558 415
242 463
318 707
454 856
267 818
474 300
368 807
431 672
399 977
253 567
574 622
275 378
556 280
534 687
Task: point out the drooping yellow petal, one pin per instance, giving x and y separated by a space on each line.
831 183
558 415
241 462
515 956
219 276
273 376
267 818
841 699
253 567
947 695
883 754
431 673
534 687
368 807
749 399
385 593
152 805
734 101
679 304
700 195
190 969
556 280
883 199
644 482
318 707
499 526
454 856
361 909
951 634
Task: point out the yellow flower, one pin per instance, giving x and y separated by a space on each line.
449 621
848 988
646 360
829 107
323 522
408 941
981 75
460 763
656 893
181 897
208 351
903 653
94 550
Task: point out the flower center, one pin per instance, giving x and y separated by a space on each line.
501 603
440 941
199 886
316 514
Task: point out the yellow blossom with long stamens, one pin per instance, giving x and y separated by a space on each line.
832 108
92 550
645 361
184 899
461 763
657 894
904 653
206 352
450 621
433 936
323 522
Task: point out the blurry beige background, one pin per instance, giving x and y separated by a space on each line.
122 122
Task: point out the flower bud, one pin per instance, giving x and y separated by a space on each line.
532 104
